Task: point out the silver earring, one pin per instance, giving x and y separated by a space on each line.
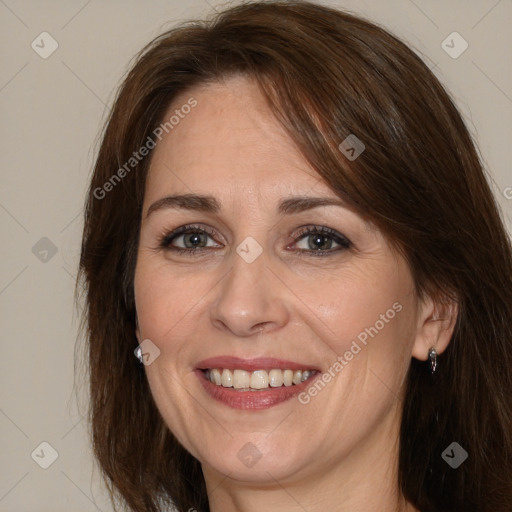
138 354
432 359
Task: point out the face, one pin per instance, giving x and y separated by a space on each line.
251 272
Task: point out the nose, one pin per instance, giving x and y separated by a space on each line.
250 300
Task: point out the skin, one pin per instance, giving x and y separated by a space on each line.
340 450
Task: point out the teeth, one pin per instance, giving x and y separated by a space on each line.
259 379
226 379
305 375
287 377
275 378
241 379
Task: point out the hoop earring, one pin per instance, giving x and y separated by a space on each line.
432 360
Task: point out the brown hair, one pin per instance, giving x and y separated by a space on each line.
326 74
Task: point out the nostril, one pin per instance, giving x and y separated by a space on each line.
260 327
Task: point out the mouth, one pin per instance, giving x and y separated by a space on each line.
254 384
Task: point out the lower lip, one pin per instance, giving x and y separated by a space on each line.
254 400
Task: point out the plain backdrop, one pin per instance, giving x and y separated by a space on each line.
52 111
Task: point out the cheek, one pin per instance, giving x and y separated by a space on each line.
152 299
361 306
164 299
368 321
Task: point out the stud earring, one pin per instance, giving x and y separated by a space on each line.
432 359
138 354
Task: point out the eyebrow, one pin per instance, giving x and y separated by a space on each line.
209 204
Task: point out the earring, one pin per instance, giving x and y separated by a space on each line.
138 354
432 359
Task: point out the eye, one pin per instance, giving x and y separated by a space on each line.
321 241
188 239
310 240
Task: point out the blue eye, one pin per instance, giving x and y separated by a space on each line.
321 241
311 240
192 238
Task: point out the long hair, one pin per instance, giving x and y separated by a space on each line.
326 75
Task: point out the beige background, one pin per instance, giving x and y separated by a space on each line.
52 110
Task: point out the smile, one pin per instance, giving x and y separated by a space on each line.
254 384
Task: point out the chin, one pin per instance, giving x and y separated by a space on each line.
256 462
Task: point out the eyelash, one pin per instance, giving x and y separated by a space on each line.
343 242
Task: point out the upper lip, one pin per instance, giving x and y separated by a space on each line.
251 365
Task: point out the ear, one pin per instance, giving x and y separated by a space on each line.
436 322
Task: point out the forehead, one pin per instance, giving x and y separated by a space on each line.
230 141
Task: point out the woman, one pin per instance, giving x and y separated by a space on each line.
289 225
